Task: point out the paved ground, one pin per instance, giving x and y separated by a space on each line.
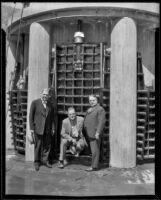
73 180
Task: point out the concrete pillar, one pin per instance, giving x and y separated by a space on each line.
123 92
38 71
10 64
26 53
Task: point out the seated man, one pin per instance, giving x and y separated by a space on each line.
71 135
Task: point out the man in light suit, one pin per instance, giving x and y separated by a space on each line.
41 120
71 135
94 122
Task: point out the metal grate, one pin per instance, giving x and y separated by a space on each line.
145 118
105 98
149 152
73 85
142 119
18 105
146 125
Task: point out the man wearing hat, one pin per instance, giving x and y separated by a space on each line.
41 120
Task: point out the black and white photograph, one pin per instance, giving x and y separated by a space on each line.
80 100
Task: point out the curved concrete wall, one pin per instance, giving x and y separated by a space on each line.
36 8
40 7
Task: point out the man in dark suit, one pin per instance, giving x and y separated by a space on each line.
41 120
94 123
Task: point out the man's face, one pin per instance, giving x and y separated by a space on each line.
92 101
45 96
71 114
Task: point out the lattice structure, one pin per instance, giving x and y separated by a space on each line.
149 152
74 84
146 125
105 146
145 118
18 103
142 119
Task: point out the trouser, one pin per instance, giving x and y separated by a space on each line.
65 143
95 150
42 148
63 147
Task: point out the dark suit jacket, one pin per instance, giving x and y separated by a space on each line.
94 121
39 119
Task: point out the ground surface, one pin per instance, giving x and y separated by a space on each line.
73 180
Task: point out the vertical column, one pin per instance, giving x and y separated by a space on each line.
26 54
123 79
10 65
38 70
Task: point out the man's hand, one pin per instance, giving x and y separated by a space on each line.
30 136
97 135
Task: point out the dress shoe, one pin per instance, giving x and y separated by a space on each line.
61 165
47 164
77 155
37 167
91 169
65 162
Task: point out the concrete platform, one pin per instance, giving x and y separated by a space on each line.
73 180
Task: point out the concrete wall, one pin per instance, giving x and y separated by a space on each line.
94 32
35 8
9 70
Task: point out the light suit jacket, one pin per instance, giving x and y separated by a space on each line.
66 130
